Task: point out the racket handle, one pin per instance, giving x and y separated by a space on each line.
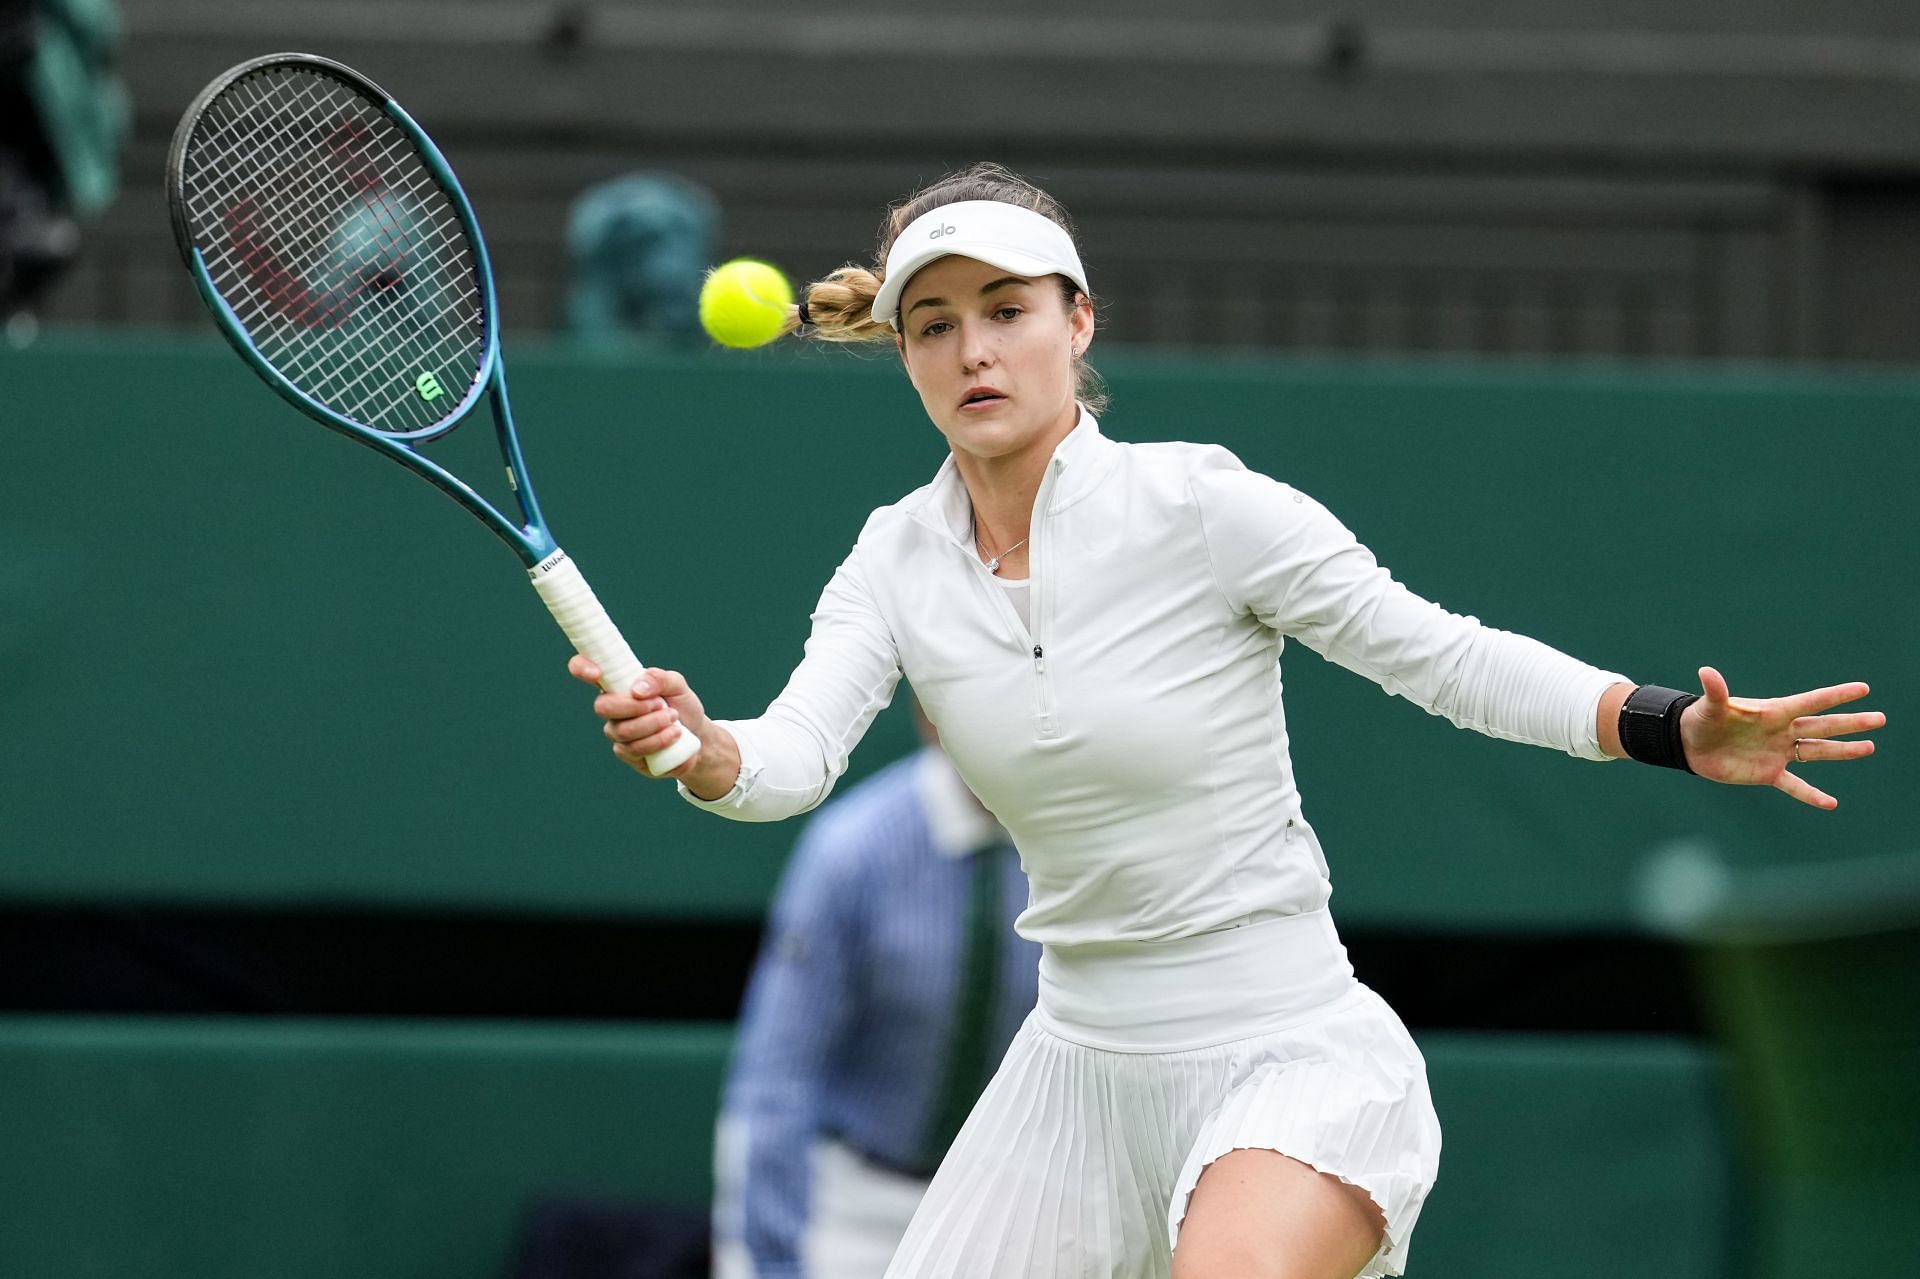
596 638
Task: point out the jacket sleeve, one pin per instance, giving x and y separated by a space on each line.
791 755
1282 557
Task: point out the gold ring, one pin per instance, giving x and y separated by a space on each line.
1798 758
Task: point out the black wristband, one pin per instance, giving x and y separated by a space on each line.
1650 726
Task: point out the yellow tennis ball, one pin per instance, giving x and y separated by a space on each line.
744 303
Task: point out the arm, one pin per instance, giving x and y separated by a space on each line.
1282 557
1606 719
798 1005
787 760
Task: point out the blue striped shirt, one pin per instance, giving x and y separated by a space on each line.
846 1026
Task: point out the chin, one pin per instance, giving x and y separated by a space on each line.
989 439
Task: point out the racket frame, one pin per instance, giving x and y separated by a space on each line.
554 576
528 536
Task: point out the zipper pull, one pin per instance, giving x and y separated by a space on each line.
1039 659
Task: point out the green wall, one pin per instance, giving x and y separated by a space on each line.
190 1148
242 660
170 1148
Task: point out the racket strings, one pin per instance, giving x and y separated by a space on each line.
310 361
383 241
292 221
383 244
336 247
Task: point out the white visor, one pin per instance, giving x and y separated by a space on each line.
1003 235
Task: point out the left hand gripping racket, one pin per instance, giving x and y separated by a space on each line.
338 254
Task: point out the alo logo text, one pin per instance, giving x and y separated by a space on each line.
939 231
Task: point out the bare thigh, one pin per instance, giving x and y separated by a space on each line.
1257 1214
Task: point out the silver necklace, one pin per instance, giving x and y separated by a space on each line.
993 561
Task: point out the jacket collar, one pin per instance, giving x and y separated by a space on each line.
1079 463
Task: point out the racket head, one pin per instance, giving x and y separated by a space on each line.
335 248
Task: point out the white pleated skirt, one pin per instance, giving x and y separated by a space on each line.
1146 1061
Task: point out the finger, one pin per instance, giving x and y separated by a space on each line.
1714 686
1819 699
654 682
1839 725
1805 793
583 670
613 706
641 726
1810 749
664 683
636 753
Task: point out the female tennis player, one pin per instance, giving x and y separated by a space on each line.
1204 1089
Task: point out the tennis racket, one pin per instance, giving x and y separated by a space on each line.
339 256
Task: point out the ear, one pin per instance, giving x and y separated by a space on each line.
1080 325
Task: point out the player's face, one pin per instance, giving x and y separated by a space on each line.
991 354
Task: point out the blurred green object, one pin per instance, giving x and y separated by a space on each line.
638 248
82 105
1812 979
63 116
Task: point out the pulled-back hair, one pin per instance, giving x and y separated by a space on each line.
840 307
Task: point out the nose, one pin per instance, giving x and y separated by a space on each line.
976 346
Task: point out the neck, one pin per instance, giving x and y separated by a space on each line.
1003 489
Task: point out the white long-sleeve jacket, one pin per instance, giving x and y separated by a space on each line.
1133 740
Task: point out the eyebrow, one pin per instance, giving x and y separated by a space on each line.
985 289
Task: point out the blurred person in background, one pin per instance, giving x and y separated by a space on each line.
638 248
63 115
889 986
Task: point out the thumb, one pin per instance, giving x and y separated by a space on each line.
669 685
1713 686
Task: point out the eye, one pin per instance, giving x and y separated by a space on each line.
935 329
1007 313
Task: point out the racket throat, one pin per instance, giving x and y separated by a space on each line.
551 564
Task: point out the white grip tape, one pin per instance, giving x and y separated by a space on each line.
579 612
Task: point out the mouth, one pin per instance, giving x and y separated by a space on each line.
982 398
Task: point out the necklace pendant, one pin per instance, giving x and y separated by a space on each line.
993 565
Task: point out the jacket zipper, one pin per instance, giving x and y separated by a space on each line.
1036 555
